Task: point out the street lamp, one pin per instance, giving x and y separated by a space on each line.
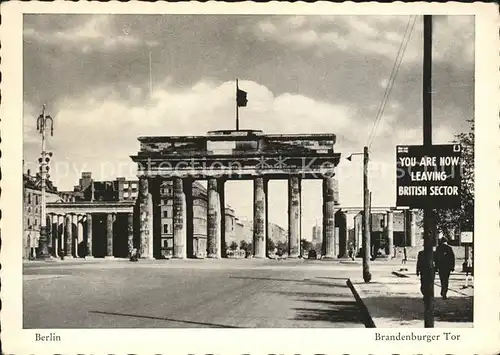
42 124
366 216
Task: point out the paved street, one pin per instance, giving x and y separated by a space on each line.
189 293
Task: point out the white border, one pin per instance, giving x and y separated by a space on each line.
483 338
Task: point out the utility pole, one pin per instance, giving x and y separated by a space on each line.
44 160
428 269
237 108
366 219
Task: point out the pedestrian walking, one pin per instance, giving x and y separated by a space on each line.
444 264
405 256
420 266
351 251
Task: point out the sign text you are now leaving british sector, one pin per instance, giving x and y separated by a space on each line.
428 176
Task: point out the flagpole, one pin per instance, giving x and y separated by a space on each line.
150 78
237 110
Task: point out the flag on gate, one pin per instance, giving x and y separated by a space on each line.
241 98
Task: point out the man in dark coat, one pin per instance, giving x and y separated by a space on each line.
444 259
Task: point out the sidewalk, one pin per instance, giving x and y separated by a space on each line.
393 301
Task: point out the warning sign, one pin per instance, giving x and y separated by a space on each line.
428 176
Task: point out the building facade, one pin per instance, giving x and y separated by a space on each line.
32 205
402 232
199 217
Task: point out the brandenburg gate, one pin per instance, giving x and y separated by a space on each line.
220 156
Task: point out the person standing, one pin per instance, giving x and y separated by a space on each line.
469 269
445 264
405 256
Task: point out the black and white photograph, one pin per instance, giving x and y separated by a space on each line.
251 170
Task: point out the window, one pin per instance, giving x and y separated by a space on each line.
165 214
167 243
36 222
29 197
166 228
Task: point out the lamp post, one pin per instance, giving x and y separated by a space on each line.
366 216
42 124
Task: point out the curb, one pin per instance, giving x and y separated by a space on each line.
364 310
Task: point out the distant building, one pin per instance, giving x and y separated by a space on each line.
244 230
199 247
317 236
230 226
405 229
277 233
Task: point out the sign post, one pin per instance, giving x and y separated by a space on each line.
428 176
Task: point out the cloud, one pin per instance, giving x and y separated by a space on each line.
381 35
96 34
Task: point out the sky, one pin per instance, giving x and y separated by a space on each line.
303 74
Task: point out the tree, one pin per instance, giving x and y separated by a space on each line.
318 247
233 245
282 247
270 244
450 220
247 247
305 245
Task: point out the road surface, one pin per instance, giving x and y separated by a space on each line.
189 293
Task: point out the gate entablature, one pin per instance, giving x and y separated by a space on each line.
238 155
222 155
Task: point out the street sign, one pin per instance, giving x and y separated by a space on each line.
428 176
466 237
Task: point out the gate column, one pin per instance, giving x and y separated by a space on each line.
130 231
413 229
145 219
213 221
68 229
109 235
179 219
88 244
294 217
328 218
79 233
222 207
390 233
55 243
259 218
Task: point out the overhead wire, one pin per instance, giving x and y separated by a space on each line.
397 63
